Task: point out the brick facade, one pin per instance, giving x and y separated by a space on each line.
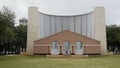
42 46
41 49
91 49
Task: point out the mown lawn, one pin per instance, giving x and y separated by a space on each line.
43 62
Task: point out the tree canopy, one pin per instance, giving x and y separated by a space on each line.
113 37
12 38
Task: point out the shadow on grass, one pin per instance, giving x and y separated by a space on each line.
37 56
90 56
98 56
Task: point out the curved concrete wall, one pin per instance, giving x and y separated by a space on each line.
82 24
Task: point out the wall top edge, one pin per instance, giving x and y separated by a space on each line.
51 14
66 15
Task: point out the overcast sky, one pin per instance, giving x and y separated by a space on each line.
65 7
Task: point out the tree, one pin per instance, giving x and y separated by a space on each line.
6 28
113 37
21 37
10 15
12 38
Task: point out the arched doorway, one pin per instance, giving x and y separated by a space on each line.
66 48
54 48
78 48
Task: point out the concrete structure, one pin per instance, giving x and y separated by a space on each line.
72 34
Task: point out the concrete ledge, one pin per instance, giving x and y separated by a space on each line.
67 56
23 54
109 53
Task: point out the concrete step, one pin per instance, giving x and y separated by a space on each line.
67 56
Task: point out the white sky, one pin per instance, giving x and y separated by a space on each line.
65 7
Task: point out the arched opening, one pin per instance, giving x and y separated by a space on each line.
66 48
54 48
78 48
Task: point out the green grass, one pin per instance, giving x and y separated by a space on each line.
43 62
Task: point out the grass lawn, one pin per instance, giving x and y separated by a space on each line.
107 61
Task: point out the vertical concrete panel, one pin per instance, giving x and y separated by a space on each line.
71 22
90 25
61 25
41 24
100 29
33 30
52 24
67 22
64 23
78 25
58 21
84 28
47 26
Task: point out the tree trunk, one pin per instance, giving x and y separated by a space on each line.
5 48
